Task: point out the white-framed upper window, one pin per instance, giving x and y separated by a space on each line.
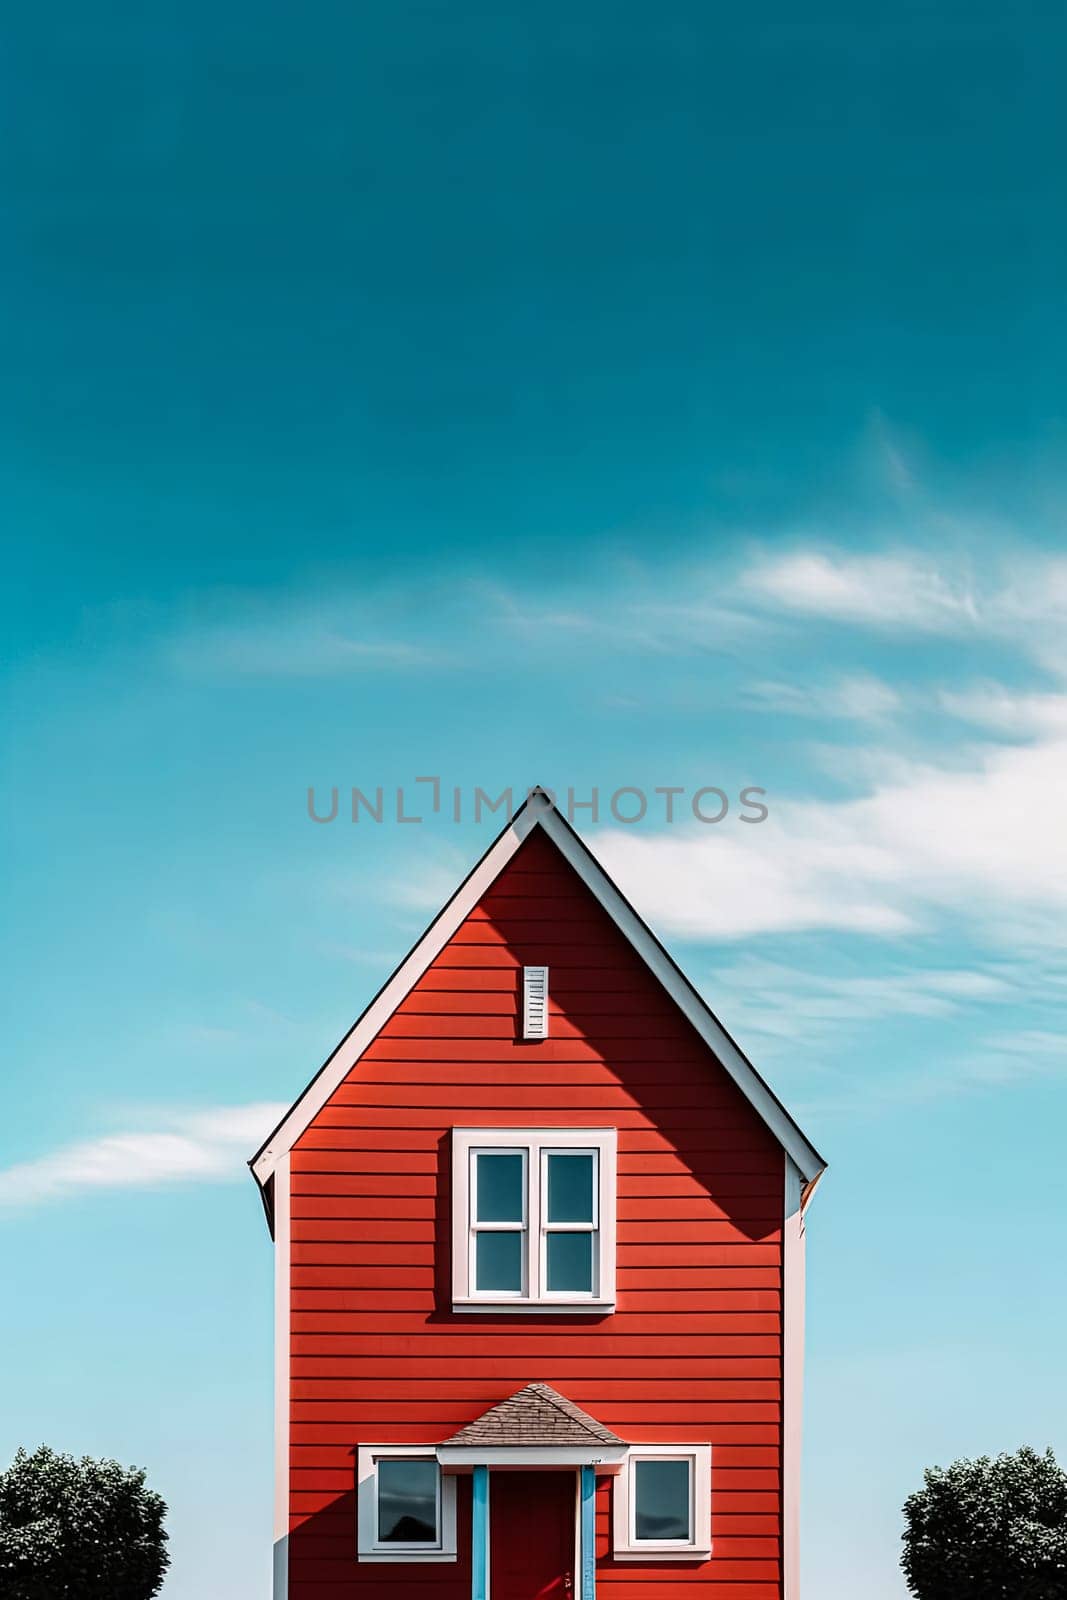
533 1219
405 1505
662 1507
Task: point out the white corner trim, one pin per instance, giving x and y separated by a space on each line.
367 1546
538 812
628 1548
793 1285
282 1325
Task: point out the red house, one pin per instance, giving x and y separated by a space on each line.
539 1238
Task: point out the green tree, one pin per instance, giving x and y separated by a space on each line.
989 1530
79 1530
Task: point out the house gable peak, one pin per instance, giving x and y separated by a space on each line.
538 813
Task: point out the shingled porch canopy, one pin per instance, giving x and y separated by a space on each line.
537 1427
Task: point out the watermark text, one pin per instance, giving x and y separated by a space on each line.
426 798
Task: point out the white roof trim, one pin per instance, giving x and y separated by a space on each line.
538 812
594 1454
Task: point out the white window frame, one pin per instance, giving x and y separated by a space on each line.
695 1548
368 1546
536 1144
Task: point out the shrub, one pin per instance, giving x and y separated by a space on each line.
989 1530
79 1530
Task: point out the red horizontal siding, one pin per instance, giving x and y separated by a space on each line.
681 1187
398 1294
440 1416
693 1351
418 1146
677 1218
315 1431
386 1317
312 1329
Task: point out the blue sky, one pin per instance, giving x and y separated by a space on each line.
570 395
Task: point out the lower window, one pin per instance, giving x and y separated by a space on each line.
406 1507
663 1504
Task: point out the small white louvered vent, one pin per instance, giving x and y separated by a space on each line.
535 1002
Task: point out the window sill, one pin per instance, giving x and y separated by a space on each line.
406 1555
520 1308
662 1553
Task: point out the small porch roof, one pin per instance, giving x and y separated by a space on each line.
536 1425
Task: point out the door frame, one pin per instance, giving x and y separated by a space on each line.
584 1568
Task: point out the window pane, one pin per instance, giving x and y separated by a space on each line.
500 1188
570 1188
407 1502
570 1262
498 1262
661 1500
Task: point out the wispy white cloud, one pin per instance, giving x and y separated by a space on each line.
829 1032
983 839
1044 1042
699 606
1009 1058
628 607
786 1002
1003 711
185 1147
658 611
885 591
1016 594
818 1026
853 697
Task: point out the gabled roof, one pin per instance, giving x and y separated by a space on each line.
538 812
535 1417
